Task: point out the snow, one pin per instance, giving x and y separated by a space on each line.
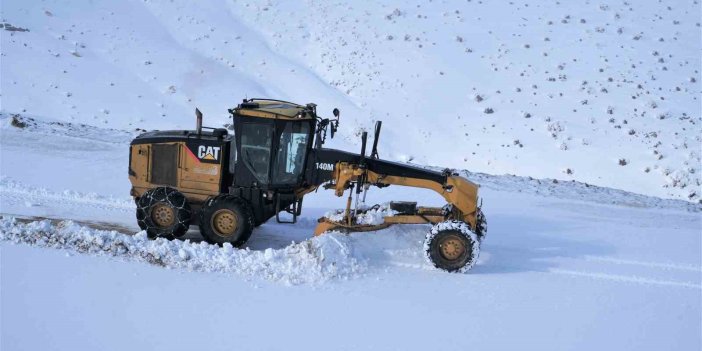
572 89
373 215
566 275
589 167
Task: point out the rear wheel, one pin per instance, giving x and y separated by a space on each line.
163 212
452 246
226 219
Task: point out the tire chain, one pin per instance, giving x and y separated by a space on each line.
460 227
151 197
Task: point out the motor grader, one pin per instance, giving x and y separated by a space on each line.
229 183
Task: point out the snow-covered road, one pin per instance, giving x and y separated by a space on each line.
568 276
565 266
562 275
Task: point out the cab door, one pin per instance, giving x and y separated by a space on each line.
291 152
255 138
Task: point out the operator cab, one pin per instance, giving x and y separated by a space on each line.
264 161
275 140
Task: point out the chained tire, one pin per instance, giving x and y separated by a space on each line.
226 219
451 246
163 212
481 228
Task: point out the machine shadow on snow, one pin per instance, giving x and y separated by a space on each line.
521 243
516 243
268 235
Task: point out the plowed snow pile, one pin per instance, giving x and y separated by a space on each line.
309 262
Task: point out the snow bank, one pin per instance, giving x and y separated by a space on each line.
310 262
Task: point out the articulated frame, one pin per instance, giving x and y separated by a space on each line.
458 191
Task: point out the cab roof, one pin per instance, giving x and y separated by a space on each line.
167 136
276 109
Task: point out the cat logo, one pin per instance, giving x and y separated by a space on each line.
205 152
210 153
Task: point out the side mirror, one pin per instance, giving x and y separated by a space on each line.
321 128
335 123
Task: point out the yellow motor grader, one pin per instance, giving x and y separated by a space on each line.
229 183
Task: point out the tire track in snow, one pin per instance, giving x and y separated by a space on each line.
626 278
97 225
662 265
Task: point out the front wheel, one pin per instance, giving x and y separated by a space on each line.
451 246
226 219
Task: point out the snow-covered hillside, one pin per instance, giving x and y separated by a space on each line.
604 92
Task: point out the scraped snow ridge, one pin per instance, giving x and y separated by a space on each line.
310 262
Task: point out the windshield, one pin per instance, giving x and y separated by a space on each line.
291 153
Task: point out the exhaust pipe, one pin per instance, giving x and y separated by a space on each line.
198 124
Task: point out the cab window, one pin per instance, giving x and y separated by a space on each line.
256 149
291 151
